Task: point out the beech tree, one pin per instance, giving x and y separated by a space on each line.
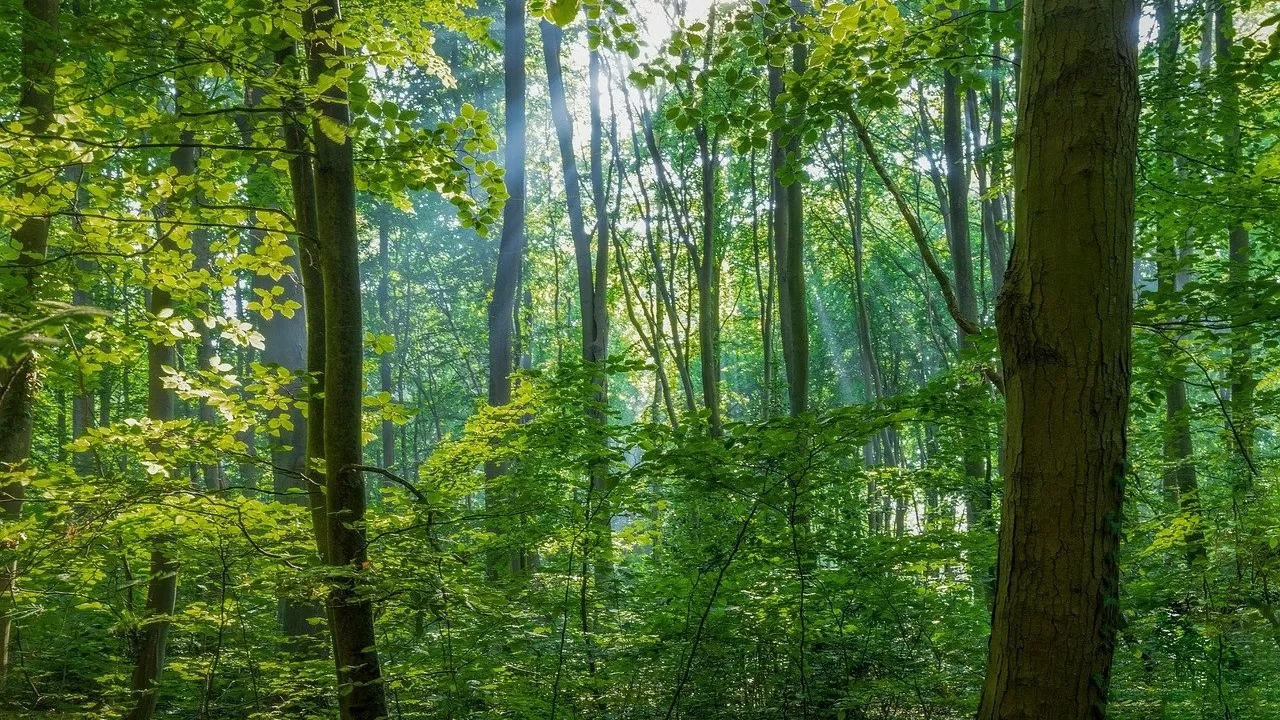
1064 323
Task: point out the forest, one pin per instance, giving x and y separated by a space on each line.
640 359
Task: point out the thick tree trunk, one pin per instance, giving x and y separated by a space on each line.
18 380
361 692
1064 326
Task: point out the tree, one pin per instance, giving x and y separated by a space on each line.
19 380
511 244
1064 325
361 695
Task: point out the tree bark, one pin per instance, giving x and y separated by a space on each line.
361 692
788 232
1064 326
19 380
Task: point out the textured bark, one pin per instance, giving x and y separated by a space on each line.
19 381
1064 325
361 692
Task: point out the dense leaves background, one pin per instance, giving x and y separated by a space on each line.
833 564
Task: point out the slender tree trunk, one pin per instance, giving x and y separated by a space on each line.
384 318
1181 485
511 245
764 275
361 692
162 585
978 493
789 244
992 212
1064 326
707 261
1239 254
708 275
303 191
285 343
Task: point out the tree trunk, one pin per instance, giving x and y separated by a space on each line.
361 692
384 318
162 586
1239 253
18 380
511 245
793 309
978 494
1181 485
302 188
1064 326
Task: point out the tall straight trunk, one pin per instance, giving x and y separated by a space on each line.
162 585
1064 325
707 263
1181 484
765 278
870 366
361 692
552 39
598 347
997 243
992 211
82 411
303 193
285 344
1239 253
384 318
791 286
502 306
708 275
201 239
18 380
978 495
788 244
